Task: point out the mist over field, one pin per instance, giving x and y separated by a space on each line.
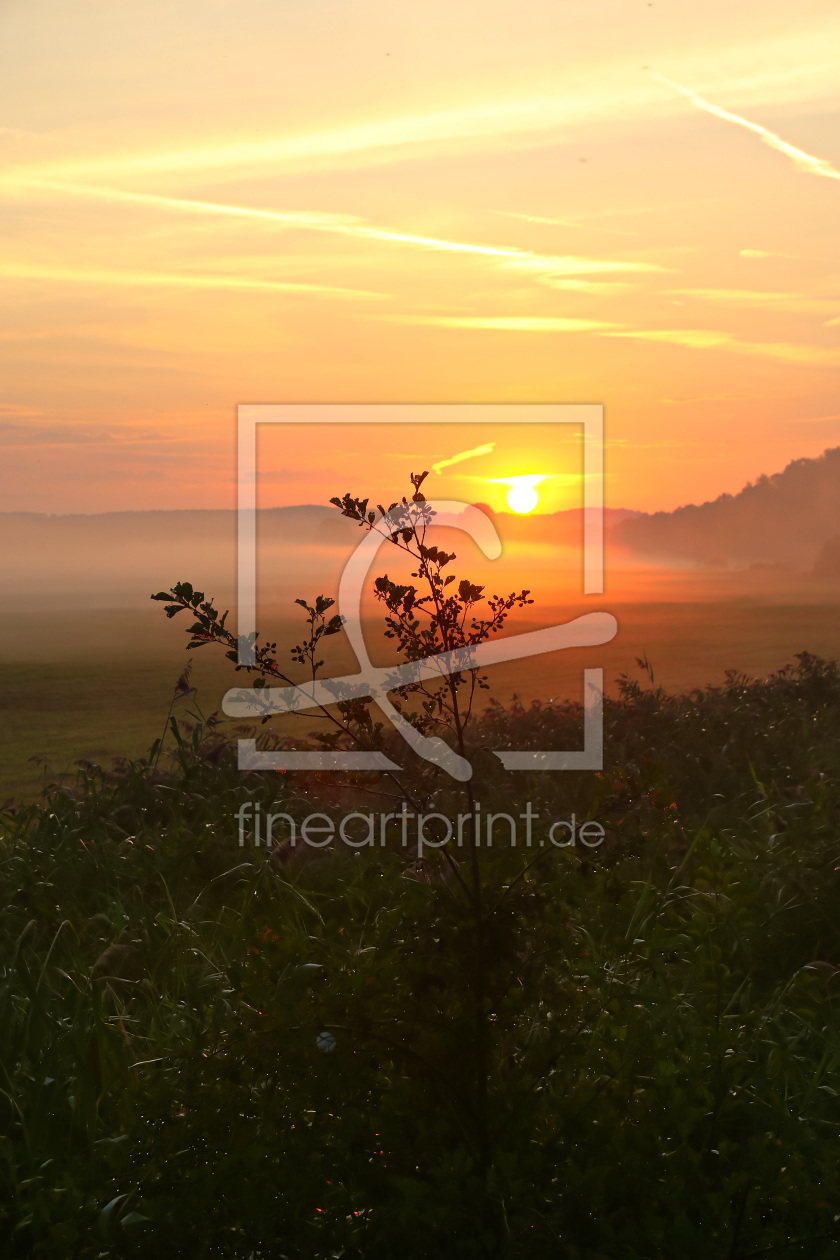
776 543
740 583
788 522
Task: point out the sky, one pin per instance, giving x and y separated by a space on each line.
617 202
477 453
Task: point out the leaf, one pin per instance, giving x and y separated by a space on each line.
108 1211
133 1218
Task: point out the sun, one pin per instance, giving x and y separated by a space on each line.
522 496
522 499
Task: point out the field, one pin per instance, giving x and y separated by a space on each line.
77 685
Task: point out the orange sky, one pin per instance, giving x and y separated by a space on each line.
470 453
211 203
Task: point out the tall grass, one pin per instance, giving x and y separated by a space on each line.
663 1062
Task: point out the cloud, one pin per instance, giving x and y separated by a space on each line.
787 352
38 271
459 458
532 479
351 226
804 161
534 218
709 339
17 409
694 338
571 264
504 323
60 435
678 402
405 135
599 288
793 302
575 224
691 338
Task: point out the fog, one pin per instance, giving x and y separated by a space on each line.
790 520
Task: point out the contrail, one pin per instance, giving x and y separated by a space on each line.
805 161
349 225
457 459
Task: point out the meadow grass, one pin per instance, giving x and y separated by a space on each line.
661 1015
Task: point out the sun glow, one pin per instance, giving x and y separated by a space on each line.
522 496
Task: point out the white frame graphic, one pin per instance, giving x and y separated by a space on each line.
589 416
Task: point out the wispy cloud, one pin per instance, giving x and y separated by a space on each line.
598 288
17 409
351 226
504 323
794 302
709 339
571 264
486 449
694 338
804 161
690 338
70 435
774 253
400 135
531 479
534 218
703 398
96 276
545 221
589 217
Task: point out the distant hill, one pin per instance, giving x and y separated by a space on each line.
791 519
